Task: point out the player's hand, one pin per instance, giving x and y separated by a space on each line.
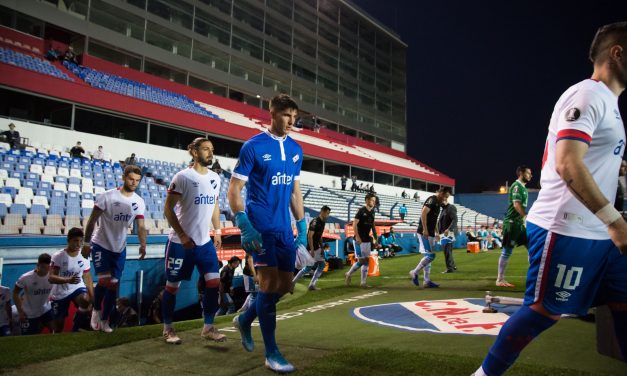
301 238
374 240
425 232
86 251
437 237
188 243
142 251
217 241
358 241
23 317
251 238
618 234
446 233
74 280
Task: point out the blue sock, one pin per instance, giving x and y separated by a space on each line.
167 310
517 332
247 317
99 293
209 304
620 328
266 310
108 303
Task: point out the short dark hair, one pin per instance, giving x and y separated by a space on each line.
235 258
370 195
44 258
607 36
325 208
195 144
445 190
521 169
75 232
283 102
132 169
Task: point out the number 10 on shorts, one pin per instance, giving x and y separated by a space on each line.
568 279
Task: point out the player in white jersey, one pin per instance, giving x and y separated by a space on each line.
191 207
69 274
33 306
114 211
577 240
5 311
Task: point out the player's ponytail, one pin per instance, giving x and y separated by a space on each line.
194 145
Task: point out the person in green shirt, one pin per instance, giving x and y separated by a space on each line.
514 232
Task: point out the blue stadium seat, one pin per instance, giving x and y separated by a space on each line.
3 211
59 210
157 215
18 209
73 210
86 212
10 190
39 209
60 179
74 180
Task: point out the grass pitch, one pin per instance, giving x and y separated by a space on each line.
328 341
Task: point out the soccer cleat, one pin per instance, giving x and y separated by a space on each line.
504 283
212 334
347 279
95 320
245 334
313 288
364 286
104 326
277 363
170 337
414 278
431 285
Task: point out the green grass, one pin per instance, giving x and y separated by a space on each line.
329 341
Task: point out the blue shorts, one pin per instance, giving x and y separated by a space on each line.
278 251
34 326
106 261
425 243
60 307
180 262
5 330
569 275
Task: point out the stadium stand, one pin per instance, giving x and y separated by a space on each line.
35 64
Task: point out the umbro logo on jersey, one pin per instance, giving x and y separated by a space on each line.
195 184
617 114
266 157
116 204
295 158
563 296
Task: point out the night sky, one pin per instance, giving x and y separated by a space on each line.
483 77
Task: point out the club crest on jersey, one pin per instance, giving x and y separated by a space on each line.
266 157
134 206
295 158
213 183
573 114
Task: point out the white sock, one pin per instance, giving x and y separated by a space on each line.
167 327
424 262
502 266
479 372
353 268
364 274
300 274
427 272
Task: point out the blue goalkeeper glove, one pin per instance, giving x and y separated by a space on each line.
301 238
251 238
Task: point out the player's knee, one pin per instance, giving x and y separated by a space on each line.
113 284
212 283
430 256
363 260
506 252
172 287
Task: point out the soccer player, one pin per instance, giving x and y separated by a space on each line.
577 239
514 232
71 280
427 236
115 209
5 311
191 207
315 246
270 162
363 225
33 306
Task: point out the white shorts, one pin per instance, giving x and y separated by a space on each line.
426 243
363 249
318 255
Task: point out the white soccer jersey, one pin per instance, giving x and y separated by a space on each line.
588 112
68 267
199 196
5 297
119 212
36 298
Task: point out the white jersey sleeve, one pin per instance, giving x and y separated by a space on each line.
36 290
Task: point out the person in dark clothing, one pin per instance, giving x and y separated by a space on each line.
125 316
77 151
447 223
226 282
315 248
428 235
343 179
363 224
12 137
619 202
130 160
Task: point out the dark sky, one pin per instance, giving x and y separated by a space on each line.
483 77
